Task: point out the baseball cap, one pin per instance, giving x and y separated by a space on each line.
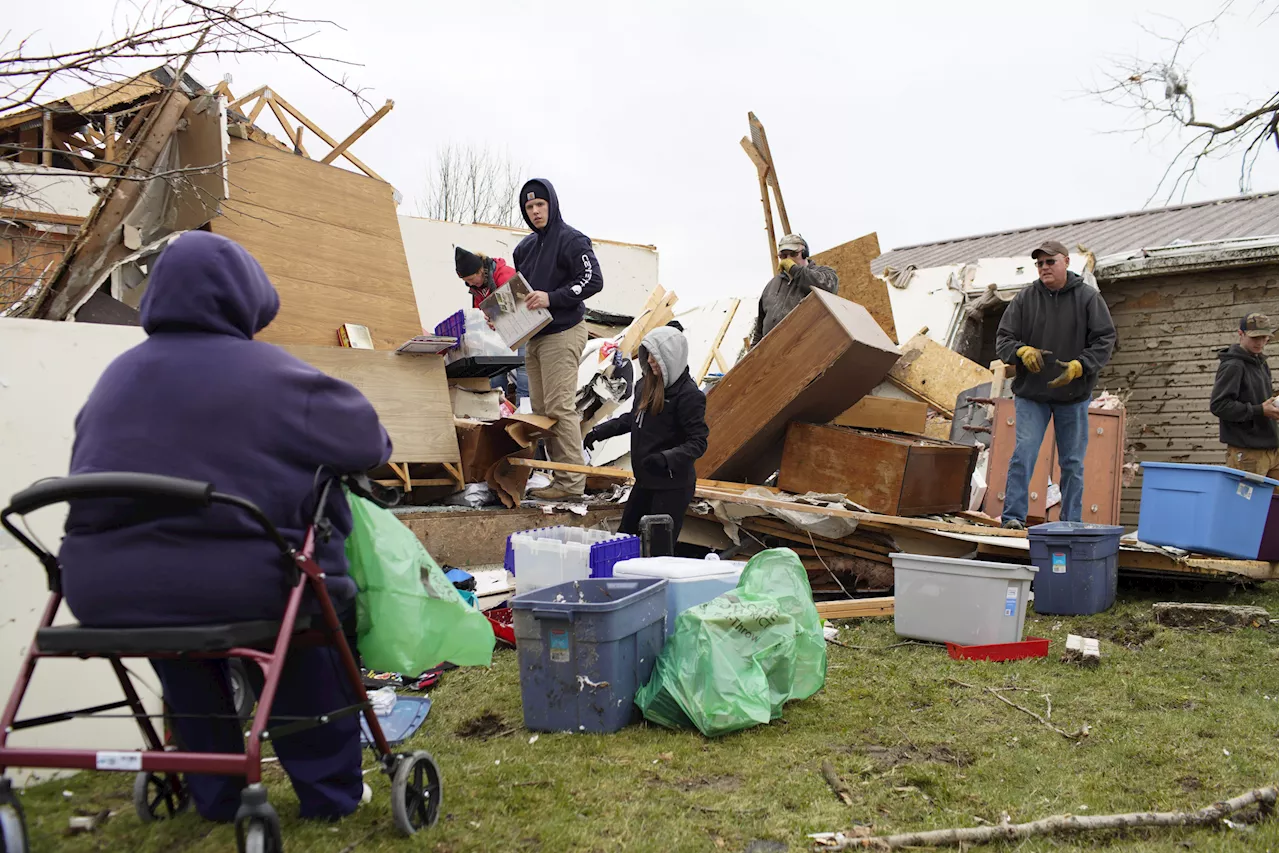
1257 325
793 243
1050 247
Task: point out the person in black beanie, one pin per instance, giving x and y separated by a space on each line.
483 275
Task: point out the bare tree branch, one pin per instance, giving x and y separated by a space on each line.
472 185
1157 92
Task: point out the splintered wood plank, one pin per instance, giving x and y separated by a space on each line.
820 360
852 262
330 242
935 374
409 392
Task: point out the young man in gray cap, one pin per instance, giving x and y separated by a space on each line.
1244 400
1057 318
797 275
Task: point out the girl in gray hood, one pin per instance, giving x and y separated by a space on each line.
668 429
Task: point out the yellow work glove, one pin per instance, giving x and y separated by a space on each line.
1031 358
1071 371
785 265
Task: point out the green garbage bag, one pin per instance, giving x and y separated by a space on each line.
405 623
733 662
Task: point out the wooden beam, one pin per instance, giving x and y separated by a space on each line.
856 608
280 117
758 127
715 344
316 129
257 109
258 92
46 138
224 89
40 216
298 147
792 535
737 498
340 149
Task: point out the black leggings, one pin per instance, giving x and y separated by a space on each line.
672 502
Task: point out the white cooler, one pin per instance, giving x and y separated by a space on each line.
689 582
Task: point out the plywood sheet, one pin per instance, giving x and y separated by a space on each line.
825 356
935 374
886 413
852 262
330 242
409 392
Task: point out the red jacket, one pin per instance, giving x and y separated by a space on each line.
496 274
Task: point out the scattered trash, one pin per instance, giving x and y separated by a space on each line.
87 823
1082 650
384 700
533 740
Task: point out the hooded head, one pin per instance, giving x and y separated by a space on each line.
671 350
206 283
539 188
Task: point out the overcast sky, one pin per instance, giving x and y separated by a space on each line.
920 121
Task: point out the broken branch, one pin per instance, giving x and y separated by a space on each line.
1079 734
837 784
1057 825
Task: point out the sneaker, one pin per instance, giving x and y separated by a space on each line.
554 493
1013 524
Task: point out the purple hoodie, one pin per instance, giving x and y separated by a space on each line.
201 399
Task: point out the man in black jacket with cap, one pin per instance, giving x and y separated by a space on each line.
1244 401
558 262
1057 318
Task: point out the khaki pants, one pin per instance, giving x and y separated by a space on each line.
1263 462
552 364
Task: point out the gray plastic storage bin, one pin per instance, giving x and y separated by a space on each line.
969 602
584 648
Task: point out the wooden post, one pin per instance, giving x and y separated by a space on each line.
46 139
318 131
713 353
109 135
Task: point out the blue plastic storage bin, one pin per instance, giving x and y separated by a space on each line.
1209 509
584 649
1076 566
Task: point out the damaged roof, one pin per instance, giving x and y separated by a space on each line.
1221 219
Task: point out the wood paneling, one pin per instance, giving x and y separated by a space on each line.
409 392
1169 329
886 413
890 474
330 242
821 359
852 263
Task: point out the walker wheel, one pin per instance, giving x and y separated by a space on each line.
159 796
13 824
416 793
261 836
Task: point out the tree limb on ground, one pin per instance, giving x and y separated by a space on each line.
837 784
1058 825
1079 734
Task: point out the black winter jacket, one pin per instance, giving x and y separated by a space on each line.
678 433
1073 323
1242 385
559 260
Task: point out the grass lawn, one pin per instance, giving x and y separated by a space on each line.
1179 719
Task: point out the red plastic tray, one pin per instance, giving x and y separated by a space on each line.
500 619
1031 647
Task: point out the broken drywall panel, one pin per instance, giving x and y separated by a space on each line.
47 370
630 270
44 189
852 263
820 360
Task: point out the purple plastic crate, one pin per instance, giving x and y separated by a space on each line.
604 555
453 327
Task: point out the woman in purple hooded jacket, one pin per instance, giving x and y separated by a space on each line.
201 399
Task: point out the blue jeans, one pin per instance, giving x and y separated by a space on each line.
522 380
1071 428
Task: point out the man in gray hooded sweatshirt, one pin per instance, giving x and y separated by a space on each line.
1056 318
